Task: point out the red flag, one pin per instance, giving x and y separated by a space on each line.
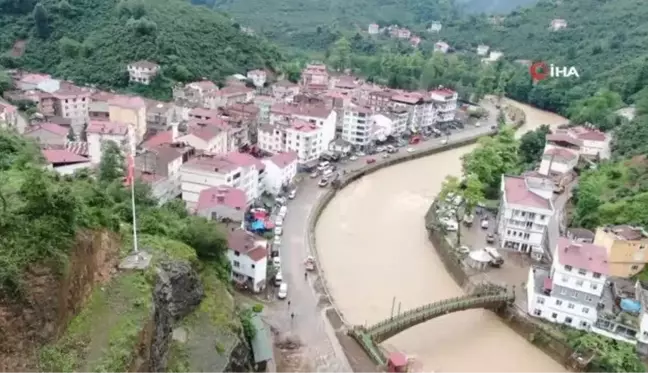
130 171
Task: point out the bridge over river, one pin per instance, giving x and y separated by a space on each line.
487 296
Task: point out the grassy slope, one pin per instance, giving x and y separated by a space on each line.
104 335
206 43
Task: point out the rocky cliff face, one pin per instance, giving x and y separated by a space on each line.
178 291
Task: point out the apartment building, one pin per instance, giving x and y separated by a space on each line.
237 170
315 77
72 102
159 166
571 291
228 95
222 203
194 94
626 246
557 161
420 108
142 72
589 143
357 126
281 170
208 136
293 135
322 116
130 110
100 132
248 256
390 123
525 214
445 101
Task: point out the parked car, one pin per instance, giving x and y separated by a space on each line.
490 238
477 124
277 241
314 174
360 154
444 141
411 150
283 291
278 231
323 183
386 155
484 224
353 158
278 279
292 194
276 262
371 160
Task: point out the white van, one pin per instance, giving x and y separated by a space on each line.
327 174
497 258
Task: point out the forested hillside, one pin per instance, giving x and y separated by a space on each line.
93 40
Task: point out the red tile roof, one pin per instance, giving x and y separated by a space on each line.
58 156
304 110
244 160
128 102
242 241
582 255
283 159
107 128
257 254
204 131
49 127
222 196
588 134
564 137
444 92
517 192
408 98
211 163
563 153
165 137
34 78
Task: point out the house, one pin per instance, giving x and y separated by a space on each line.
258 77
8 116
231 94
42 82
571 291
415 41
48 134
403 33
142 72
285 90
160 115
445 101
248 256
73 103
373 29
322 116
558 24
340 146
222 203
525 213
435 27
194 94
100 132
557 160
482 49
98 109
64 161
280 171
580 235
159 166
206 135
594 142
237 170
357 126
441 46
130 110
627 248
315 77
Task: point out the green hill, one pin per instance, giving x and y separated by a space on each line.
93 40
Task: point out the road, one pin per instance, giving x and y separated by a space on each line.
321 348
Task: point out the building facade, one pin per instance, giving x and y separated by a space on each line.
281 170
247 255
142 72
627 248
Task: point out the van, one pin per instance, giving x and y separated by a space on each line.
327 174
278 279
497 259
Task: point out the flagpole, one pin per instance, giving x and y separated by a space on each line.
131 177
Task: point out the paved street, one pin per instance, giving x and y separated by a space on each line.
321 350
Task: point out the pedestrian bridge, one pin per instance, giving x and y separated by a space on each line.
483 296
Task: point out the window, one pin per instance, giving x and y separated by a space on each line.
585 309
594 286
558 302
253 266
588 298
563 291
597 275
565 279
579 283
236 264
568 268
635 267
537 312
554 315
540 300
236 253
584 324
582 272
568 320
571 306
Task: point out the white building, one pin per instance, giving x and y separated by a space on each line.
65 162
435 27
8 116
526 210
100 132
73 103
390 123
373 29
237 170
445 101
421 109
357 126
248 256
557 160
222 203
280 171
590 143
441 46
558 24
142 72
258 77
206 136
570 293
294 135
482 49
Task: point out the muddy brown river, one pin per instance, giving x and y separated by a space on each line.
373 247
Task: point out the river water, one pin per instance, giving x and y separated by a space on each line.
373 247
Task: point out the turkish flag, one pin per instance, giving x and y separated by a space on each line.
130 170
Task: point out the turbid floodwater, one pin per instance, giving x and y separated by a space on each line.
373 247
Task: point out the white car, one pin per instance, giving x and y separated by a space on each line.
292 194
278 231
360 154
278 279
444 141
283 291
278 221
411 150
484 224
353 158
477 124
276 261
314 174
277 240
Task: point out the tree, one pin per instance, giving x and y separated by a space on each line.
41 20
340 54
5 82
609 355
598 109
205 237
464 195
111 167
531 146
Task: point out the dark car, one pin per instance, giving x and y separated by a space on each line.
490 238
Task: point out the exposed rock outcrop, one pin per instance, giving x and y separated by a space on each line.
178 291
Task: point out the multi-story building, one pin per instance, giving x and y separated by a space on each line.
285 90
160 115
229 95
322 116
130 110
627 248
258 77
264 103
237 170
357 127
557 161
8 116
281 170
100 132
589 143
142 72
445 101
571 291
420 108
222 203
315 77
48 134
525 214
390 123
373 29
73 103
248 256
207 136
194 94
380 100
293 135
99 109
159 166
